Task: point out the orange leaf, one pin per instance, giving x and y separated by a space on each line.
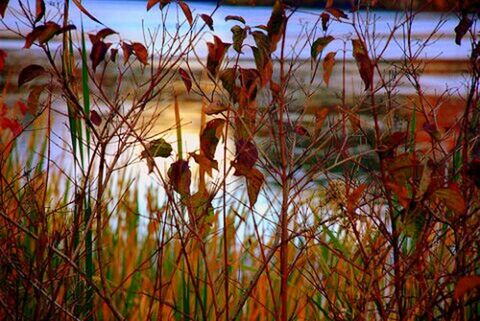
354 197
452 198
127 50
275 25
180 177
320 117
215 107
466 284
205 163
337 13
39 10
42 33
328 63
216 52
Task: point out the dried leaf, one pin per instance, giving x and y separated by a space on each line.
187 81
215 107
462 28
328 63
39 10
337 13
255 181
302 131
208 20
466 284
236 18
141 52
276 25
452 198
95 118
85 11
105 32
33 98
12 124
3 7
157 148
246 154
97 55
325 19
211 136
127 50
205 163
238 36
186 11
320 44
364 63
42 33
216 52
151 3
354 197
180 177
29 73
320 117
113 54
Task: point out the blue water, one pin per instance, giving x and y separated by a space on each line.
133 22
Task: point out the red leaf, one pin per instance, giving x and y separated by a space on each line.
186 78
95 118
337 13
216 52
452 198
12 124
39 10
205 163
186 11
163 3
300 130
113 54
85 11
208 20
211 136
29 73
364 63
22 106
127 50
3 7
466 284
141 52
246 154
99 50
354 197
180 177
105 32
325 19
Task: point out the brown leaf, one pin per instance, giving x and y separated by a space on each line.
141 52
337 13
452 198
180 177
113 54
205 163
99 50
320 44
236 18
354 197
3 7
42 33
216 52
157 148
325 19
276 25
29 73
302 131
328 63
186 78
215 107
211 136
186 11
33 98
238 36
255 181
462 28
39 10
466 284
246 154
364 63
208 20
105 32
127 50
95 118
320 117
